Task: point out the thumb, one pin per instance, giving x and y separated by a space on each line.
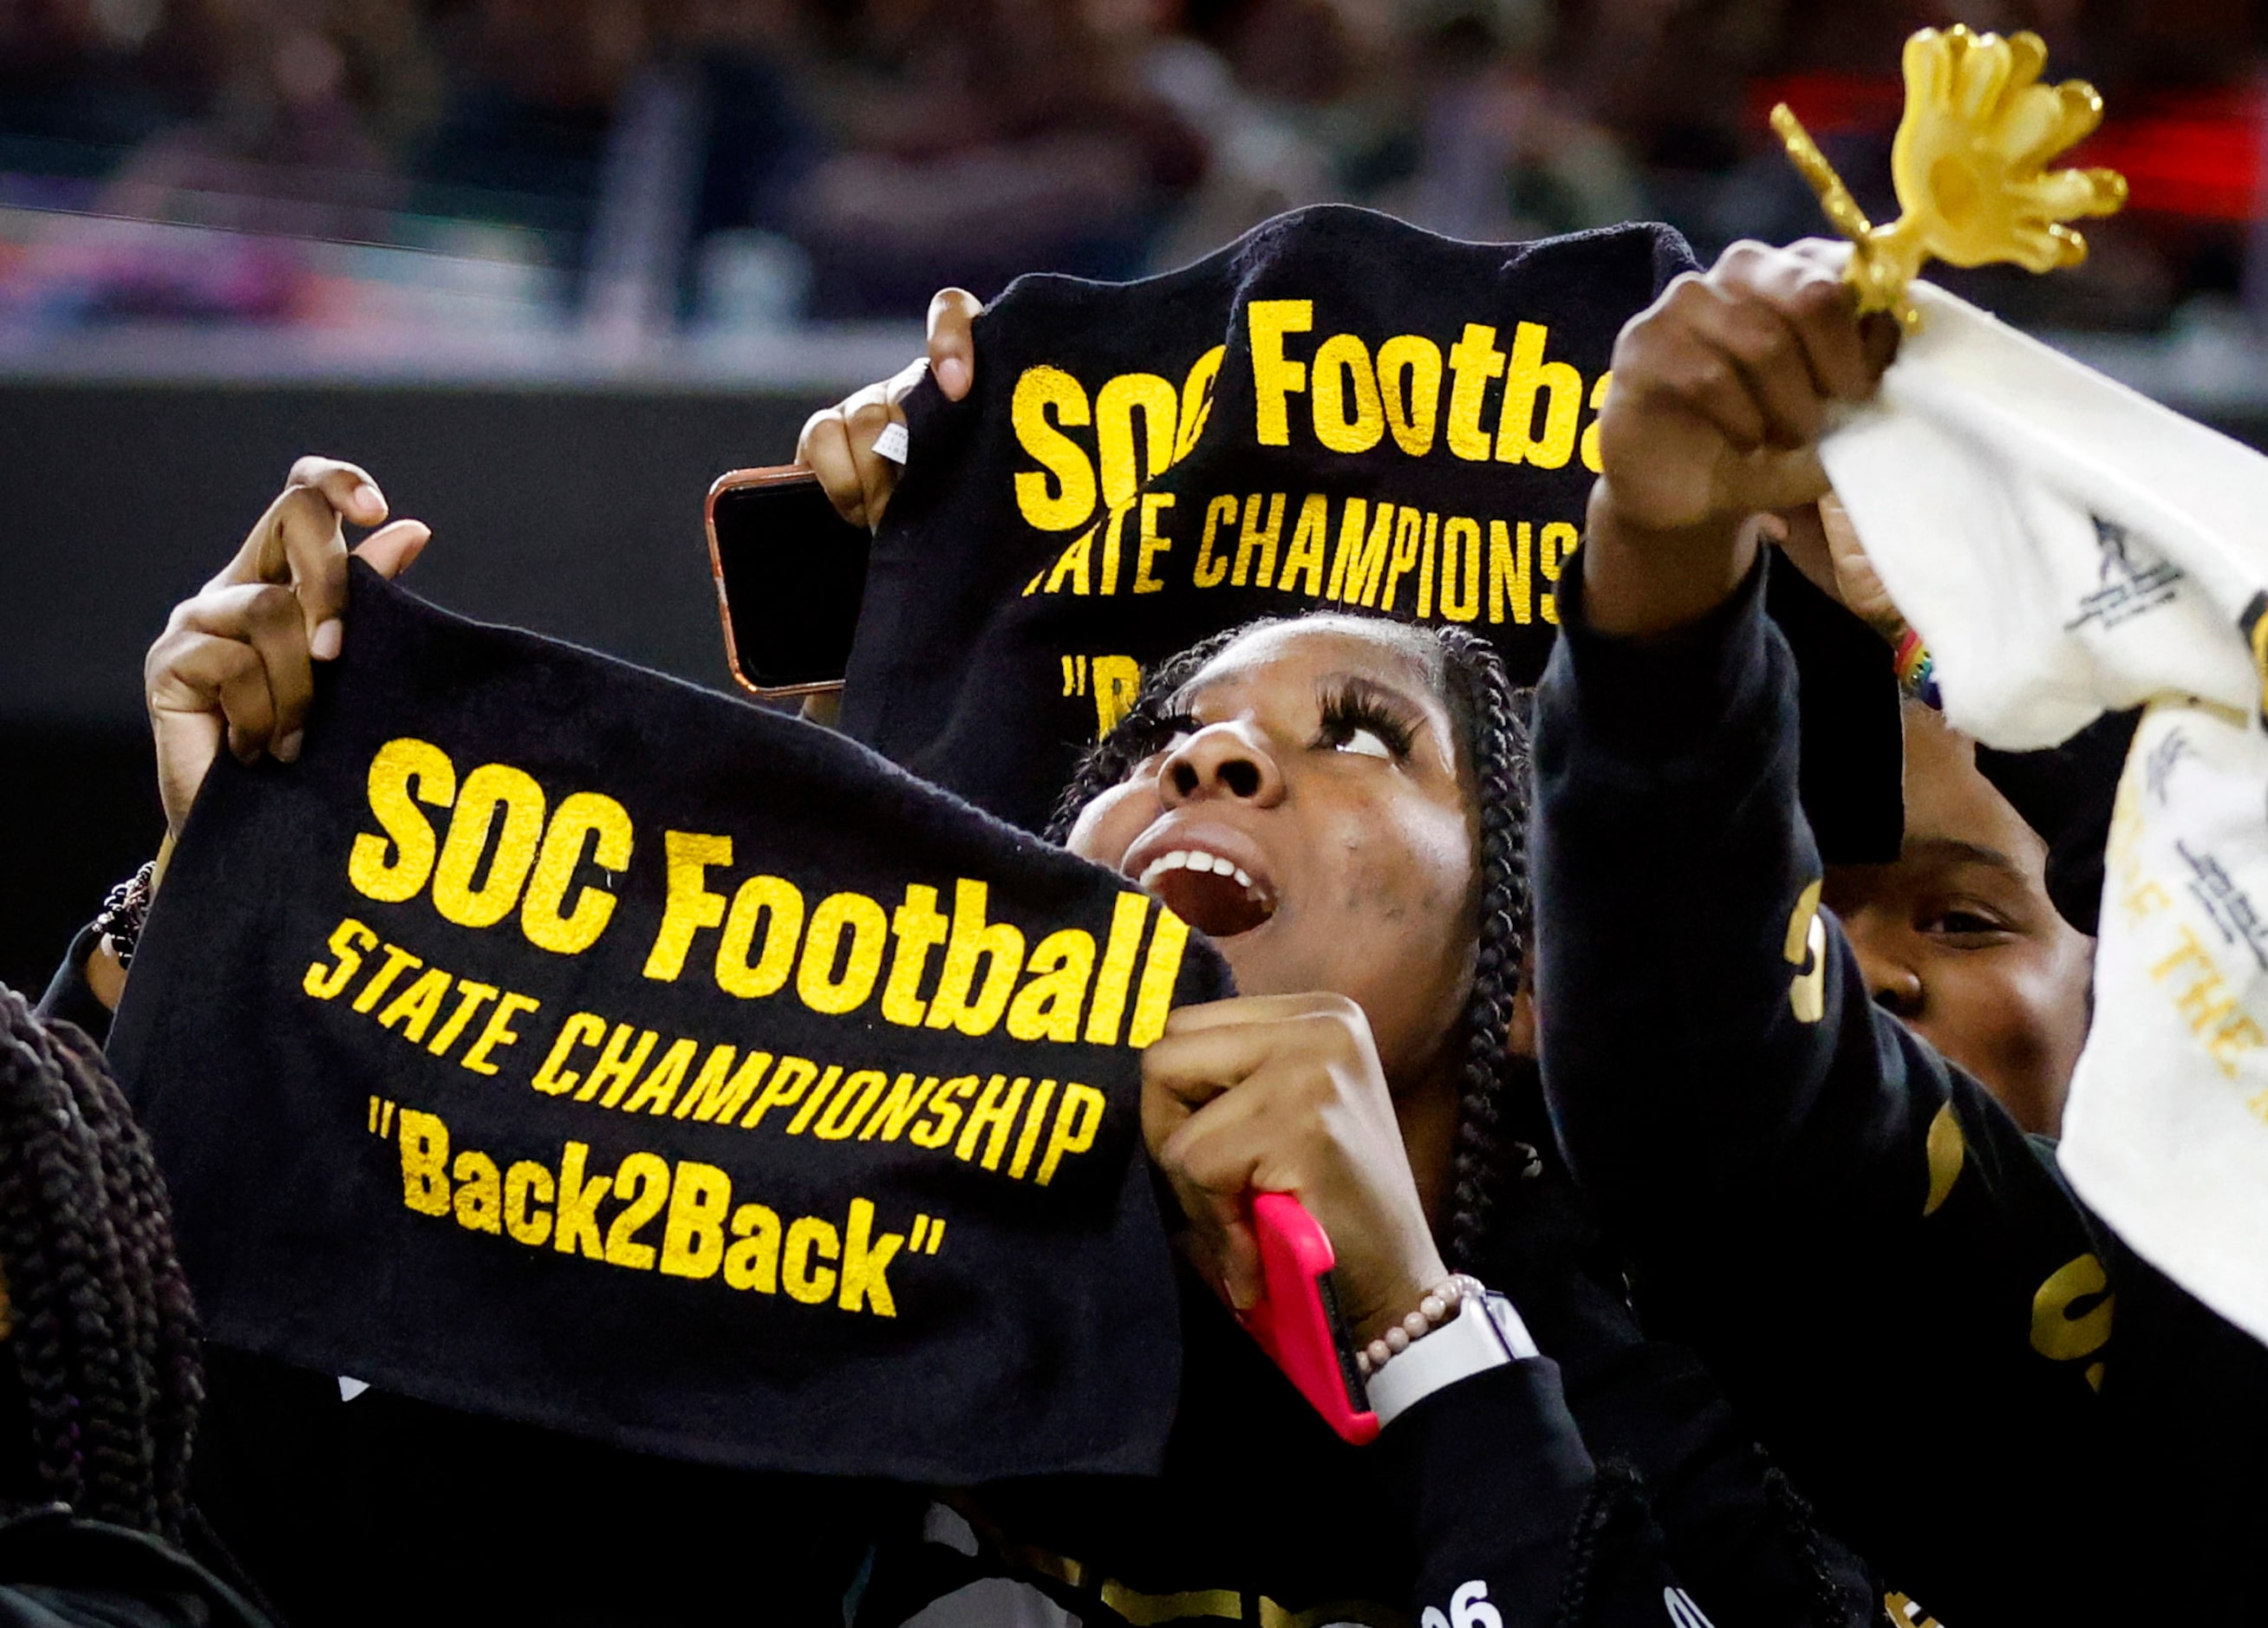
392 549
1240 1272
1220 1225
1781 479
953 316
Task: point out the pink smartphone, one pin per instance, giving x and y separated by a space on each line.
1296 1319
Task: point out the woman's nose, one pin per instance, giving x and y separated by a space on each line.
1221 760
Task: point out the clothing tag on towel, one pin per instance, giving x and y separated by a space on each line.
557 1041
2166 1135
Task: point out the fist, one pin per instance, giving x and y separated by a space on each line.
1283 1093
1723 385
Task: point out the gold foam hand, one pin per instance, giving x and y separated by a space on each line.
1970 163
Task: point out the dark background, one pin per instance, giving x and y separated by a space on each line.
577 513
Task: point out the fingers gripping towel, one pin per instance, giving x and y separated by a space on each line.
560 1042
2067 548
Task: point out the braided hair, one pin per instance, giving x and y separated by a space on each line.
1497 1093
97 1317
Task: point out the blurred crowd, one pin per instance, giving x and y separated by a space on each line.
635 167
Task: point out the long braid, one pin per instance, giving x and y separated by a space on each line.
175 1342
1492 721
168 1375
128 1464
1496 738
39 1325
103 1333
95 1278
1616 1502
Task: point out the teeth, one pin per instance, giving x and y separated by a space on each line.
1163 863
1204 864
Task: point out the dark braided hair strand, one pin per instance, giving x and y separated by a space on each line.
102 1329
1495 727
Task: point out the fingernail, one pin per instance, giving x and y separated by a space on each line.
367 499
952 377
330 635
287 749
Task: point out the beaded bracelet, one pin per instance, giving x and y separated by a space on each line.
123 913
1438 1306
1915 670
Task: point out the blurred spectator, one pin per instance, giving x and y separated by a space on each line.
1258 163
532 90
75 87
630 132
291 145
977 139
1503 154
632 169
308 101
625 130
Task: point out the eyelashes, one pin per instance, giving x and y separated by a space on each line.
1143 738
1353 707
1347 709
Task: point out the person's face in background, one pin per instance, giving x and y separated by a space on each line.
1317 757
1959 937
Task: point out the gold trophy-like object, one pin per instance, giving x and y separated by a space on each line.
1970 163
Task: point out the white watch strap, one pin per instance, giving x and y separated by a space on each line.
1465 1346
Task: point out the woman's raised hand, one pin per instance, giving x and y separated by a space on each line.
838 442
1283 1093
1722 387
234 664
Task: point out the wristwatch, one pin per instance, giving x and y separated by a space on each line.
1462 1347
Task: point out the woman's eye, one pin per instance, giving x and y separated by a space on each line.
1964 925
1365 743
1353 721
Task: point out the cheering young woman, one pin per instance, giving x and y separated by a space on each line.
1341 803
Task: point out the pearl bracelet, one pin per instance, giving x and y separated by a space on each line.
1438 1306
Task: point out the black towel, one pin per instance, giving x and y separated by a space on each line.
1339 411
561 1043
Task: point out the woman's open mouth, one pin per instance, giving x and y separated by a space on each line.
1213 894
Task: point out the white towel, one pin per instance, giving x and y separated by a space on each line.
2066 547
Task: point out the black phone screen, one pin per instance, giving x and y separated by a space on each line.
791 572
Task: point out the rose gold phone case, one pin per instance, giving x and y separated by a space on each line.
773 475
